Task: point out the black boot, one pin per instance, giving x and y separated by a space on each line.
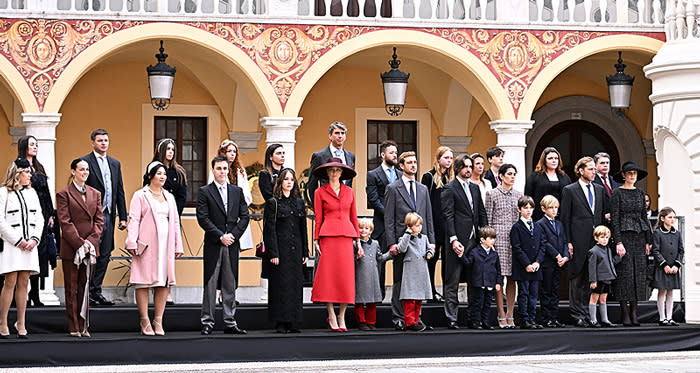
624 310
33 296
633 313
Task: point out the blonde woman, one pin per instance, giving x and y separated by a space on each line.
435 180
21 224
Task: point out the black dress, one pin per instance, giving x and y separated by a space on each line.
428 180
631 227
266 182
286 238
41 186
538 185
176 187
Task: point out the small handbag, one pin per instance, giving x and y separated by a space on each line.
140 247
260 249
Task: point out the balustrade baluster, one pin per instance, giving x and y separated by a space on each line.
409 9
441 11
483 4
587 8
690 19
680 20
641 12
669 20
539 4
555 10
457 9
657 17
571 4
603 10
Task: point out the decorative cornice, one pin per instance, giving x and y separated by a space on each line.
247 141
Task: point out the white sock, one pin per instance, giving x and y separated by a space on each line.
669 304
660 304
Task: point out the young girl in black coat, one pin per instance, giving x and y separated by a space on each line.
668 256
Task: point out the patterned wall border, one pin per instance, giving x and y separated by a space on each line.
40 49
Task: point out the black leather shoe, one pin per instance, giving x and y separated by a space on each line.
399 327
425 326
487 327
526 325
581 323
549 324
100 300
608 324
476 327
206 330
558 324
537 326
595 325
416 327
673 323
234 330
452 325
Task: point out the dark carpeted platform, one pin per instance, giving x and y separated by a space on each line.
184 344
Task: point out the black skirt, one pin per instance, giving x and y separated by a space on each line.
631 283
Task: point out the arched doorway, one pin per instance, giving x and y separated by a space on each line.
575 139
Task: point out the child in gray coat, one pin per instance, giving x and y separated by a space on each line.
668 256
415 281
367 289
601 272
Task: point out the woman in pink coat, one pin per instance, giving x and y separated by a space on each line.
154 242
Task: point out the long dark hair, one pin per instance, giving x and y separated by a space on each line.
22 146
277 191
664 212
149 175
268 153
542 163
74 167
159 156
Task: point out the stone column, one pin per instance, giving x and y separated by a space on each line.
511 138
281 130
675 96
458 144
43 127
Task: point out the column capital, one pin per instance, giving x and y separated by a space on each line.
511 126
281 130
247 141
41 125
280 122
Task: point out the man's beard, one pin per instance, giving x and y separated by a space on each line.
390 162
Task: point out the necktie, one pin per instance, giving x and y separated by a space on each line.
390 175
590 196
222 191
469 195
107 179
554 225
529 225
607 187
412 194
338 153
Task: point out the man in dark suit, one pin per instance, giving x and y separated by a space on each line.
377 180
582 209
336 133
603 178
223 214
403 196
463 213
106 177
495 157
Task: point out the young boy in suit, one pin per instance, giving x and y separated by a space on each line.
485 269
601 272
555 257
527 242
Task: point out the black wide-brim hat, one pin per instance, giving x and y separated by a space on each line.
348 173
630 166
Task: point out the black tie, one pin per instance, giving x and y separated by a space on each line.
529 225
412 194
554 226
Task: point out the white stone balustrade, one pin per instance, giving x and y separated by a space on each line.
468 13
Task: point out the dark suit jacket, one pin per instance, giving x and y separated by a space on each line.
216 222
80 220
488 175
606 198
527 249
320 157
397 204
376 188
555 243
118 203
485 268
459 218
579 222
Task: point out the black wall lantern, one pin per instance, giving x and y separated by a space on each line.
620 86
395 82
160 81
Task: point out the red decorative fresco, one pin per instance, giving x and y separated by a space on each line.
41 49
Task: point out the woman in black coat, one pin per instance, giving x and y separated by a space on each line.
27 148
435 180
548 178
632 235
274 161
285 236
176 183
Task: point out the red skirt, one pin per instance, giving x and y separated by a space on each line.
335 276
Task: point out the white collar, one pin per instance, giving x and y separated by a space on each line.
385 167
218 186
333 149
582 184
80 189
406 180
525 221
97 155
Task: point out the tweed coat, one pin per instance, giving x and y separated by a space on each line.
502 212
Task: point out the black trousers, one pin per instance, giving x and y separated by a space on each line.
549 293
106 247
579 296
479 305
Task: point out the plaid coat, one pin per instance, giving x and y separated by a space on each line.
502 212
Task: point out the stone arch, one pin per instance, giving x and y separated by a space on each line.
621 130
254 81
606 43
455 61
17 86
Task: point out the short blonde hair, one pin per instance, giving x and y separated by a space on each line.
412 219
600 231
366 222
12 178
549 201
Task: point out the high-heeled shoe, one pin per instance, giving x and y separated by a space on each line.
158 327
7 334
21 334
511 324
502 323
146 328
75 334
332 328
85 334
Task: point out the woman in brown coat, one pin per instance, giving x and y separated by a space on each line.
79 209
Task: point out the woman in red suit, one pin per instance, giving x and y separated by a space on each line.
336 229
